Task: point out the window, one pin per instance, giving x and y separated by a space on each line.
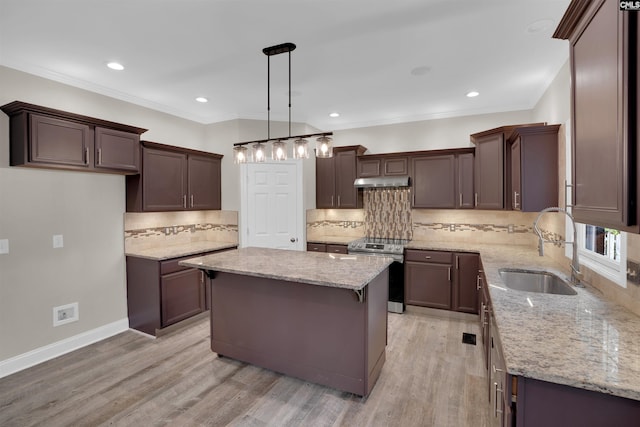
603 250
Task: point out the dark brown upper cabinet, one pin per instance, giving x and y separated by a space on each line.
434 181
604 61
43 137
534 168
334 179
373 166
491 167
443 179
174 179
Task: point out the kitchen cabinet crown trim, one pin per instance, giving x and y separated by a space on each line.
166 147
572 17
17 107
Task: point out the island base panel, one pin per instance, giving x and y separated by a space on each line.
315 333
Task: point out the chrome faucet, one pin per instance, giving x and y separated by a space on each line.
576 275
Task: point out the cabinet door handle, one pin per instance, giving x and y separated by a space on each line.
86 155
516 205
338 200
475 199
332 200
99 156
449 274
478 282
201 276
184 201
192 200
460 200
457 262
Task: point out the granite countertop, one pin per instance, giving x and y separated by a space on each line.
332 240
578 340
165 252
324 269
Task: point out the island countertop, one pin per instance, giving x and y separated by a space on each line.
315 268
581 340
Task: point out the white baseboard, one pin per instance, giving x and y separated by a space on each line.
42 354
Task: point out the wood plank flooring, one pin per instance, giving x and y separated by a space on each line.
430 378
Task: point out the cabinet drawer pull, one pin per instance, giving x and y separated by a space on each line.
478 282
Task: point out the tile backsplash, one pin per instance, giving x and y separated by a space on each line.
387 213
151 229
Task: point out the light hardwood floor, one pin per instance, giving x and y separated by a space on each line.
430 378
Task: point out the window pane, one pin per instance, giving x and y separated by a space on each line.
603 241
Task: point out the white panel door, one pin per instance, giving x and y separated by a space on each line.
272 217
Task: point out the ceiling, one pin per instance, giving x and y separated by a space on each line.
373 61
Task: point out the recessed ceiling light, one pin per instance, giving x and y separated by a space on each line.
115 66
472 94
202 99
336 114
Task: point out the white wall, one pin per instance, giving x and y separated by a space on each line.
427 134
86 208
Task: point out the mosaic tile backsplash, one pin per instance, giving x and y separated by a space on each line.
148 230
387 213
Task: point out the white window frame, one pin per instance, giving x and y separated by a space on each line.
602 265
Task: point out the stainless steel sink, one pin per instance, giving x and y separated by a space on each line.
535 281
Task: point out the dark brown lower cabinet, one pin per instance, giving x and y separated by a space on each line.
161 293
183 295
465 290
443 280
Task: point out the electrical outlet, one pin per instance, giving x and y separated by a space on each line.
58 241
4 246
452 227
510 228
65 314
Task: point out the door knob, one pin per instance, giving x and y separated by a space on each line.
293 239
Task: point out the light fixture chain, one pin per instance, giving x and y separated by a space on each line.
268 97
289 94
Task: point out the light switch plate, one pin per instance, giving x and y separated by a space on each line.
58 241
4 246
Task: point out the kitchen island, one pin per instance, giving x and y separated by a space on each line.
319 317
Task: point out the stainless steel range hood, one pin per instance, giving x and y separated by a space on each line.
382 181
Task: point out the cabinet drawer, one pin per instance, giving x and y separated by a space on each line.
337 249
428 256
171 265
316 247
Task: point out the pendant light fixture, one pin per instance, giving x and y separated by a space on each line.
324 147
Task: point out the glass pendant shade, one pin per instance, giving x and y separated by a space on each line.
279 150
300 149
324 147
239 154
259 154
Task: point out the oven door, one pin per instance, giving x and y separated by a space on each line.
395 303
